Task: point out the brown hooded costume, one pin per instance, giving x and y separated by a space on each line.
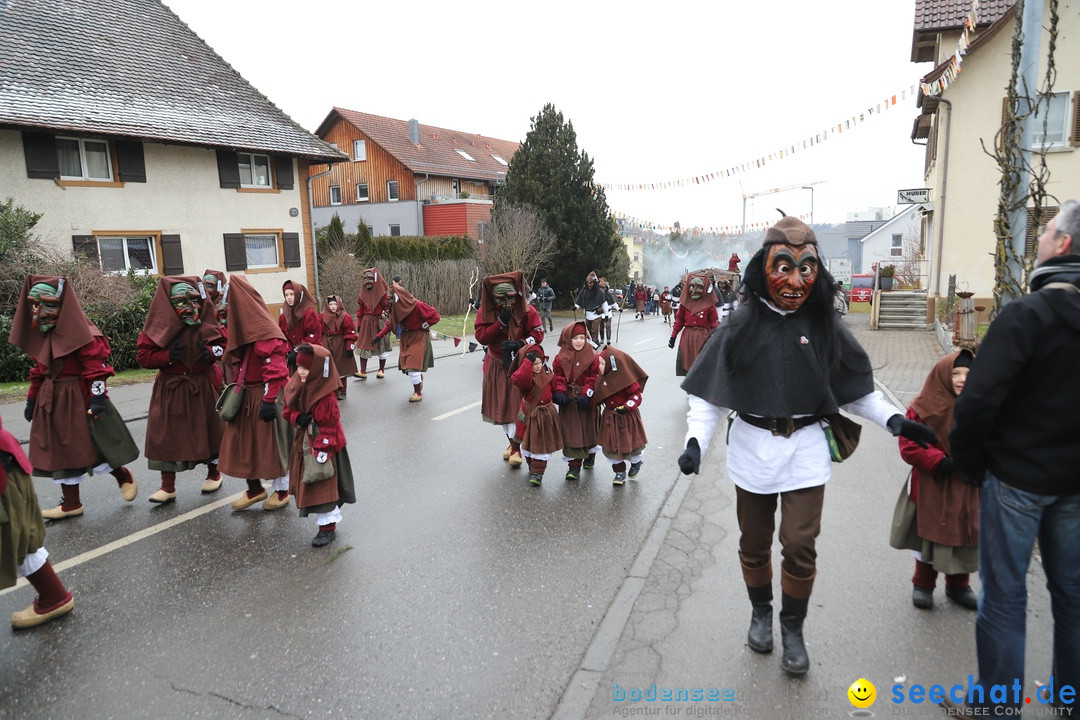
575 374
317 398
500 400
697 319
619 385
183 428
339 336
300 322
370 306
415 318
69 360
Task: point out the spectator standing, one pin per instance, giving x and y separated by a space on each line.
545 296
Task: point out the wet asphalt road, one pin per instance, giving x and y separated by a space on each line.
454 588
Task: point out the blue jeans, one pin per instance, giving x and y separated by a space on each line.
1010 521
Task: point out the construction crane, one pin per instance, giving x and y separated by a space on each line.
772 191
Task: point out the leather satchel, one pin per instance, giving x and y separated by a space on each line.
232 397
315 471
842 434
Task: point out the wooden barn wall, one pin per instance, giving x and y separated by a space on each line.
379 168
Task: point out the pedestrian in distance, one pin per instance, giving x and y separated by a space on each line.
603 328
782 362
937 513
665 305
538 430
575 368
504 324
182 340
320 473
696 319
545 296
75 430
592 299
415 317
1015 431
255 444
339 334
619 384
22 540
372 312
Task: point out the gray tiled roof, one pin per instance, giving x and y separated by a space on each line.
950 14
132 68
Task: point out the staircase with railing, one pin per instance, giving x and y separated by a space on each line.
900 309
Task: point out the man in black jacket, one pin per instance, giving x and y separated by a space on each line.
545 295
1015 432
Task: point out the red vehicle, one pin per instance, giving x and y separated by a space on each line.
862 287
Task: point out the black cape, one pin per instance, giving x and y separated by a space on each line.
787 376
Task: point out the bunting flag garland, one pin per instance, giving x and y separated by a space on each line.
782 153
935 87
626 222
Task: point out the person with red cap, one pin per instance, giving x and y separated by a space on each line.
181 339
339 334
22 537
74 429
415 356
320 474
618 387
299 317
575 369
538 430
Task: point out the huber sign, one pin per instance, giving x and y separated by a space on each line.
912 196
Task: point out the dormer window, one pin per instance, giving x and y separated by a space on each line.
465 155
499 160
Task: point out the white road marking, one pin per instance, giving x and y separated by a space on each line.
455 412
125 541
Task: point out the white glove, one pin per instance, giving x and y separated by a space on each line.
321 457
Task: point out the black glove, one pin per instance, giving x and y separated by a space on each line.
916 432
975 481
268 411
512 345
28 411
174 352
560 398
506 315
532 356
290 358
671 342
946 467
207 356
376 342
582 402
690 460
97 405
303 420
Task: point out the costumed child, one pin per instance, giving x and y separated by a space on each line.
505 322
319 469
74 429
182 340
665 304
697 316
538 430
299 317
415 317
339 336
575 368
22 537
372 309
255 444
618 386
937 514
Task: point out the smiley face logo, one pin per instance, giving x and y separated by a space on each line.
862 693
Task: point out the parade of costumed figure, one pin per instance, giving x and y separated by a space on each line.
505 323
299 318
538 429
320 472
182 340
255 444
575 367
937 514
782 362
592 299
665 304
339 336
415 356
372 307
217 289
618 386
22 538
74 429
696 318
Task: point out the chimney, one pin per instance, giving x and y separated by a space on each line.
414 131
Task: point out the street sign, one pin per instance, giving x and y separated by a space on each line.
912 196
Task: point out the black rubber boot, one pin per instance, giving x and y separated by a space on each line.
795 661
759 638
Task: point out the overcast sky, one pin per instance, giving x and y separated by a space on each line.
656 91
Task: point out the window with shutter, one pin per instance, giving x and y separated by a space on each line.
130 162
172 257
235 252
291 247
40 152
86 246
1035 226
283 165
1074 141
228 169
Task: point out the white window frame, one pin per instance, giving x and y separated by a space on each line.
124 239
84 170
1059 123
276 244
359 150
896 246
391 228
464 154
392 192
367 193
251 165
335 190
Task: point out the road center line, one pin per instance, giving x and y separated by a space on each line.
125 541
455 412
